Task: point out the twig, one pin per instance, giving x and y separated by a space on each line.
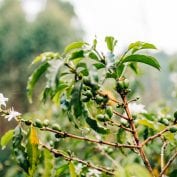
168 164
71 158
119 125
65 134
162 154
120 115
135 135
155 136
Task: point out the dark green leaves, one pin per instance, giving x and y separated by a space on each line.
34 78
76 99
6 138
94 125
149 60
111 43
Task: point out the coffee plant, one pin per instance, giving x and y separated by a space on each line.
99 128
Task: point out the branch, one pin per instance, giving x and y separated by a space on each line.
168 164
155 136
119 125
120 115
65 134
135 134
162 154
71 158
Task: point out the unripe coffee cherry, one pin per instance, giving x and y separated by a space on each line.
56 127
122 84
173 129
38 123
109 111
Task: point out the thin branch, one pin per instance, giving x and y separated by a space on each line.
168 164
65 134
135 135
120 115
111 122
71 158
162 154
154 136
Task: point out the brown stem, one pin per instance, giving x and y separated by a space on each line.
168 164
135 135
119 125
71 158
162 154
120 115
154 136
65 134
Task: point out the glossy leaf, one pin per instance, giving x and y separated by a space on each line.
6 138
99 65
95 126
93 56
77 54
149 60
34 78
74 45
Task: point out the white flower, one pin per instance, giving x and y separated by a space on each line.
3 100
12 114
78 168
173 78
93 173
136 108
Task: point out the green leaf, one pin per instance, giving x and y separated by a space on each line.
93 56
60 89
74 45
34 78
77 54
111 43
121 136
149 60
61 170
147 123
52 73
99 65
140 45
95 126
6 138
76 98
46 56
137 171
33 151
48 163
72 170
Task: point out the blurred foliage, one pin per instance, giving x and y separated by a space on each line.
21 40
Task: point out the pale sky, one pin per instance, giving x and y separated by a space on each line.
152 21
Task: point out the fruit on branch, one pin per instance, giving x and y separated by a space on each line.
109 111
38 123
122 84
55 126
173 129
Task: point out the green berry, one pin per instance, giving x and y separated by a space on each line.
109 111
88 93
99 99
173 129
38 123
28 122
122 84
164 121
46 122
85 98
56 127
